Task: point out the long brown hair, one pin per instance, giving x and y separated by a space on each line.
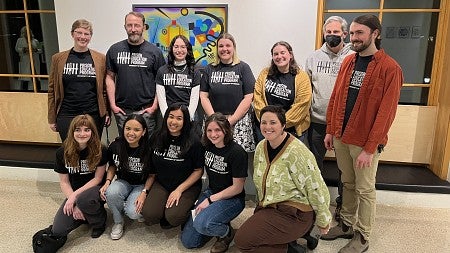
224 125
293 66
72 148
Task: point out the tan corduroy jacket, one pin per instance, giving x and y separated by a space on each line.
56 87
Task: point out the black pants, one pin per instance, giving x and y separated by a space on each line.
90 203
316 135
63 123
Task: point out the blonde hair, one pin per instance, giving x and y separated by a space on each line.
235 56
82 23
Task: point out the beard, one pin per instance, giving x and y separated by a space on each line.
134 37
361 46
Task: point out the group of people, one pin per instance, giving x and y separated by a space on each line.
345 101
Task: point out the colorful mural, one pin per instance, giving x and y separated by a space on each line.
202 25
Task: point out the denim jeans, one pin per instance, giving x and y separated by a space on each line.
120 197
211 221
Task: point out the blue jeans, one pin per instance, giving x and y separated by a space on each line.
211 221
120 197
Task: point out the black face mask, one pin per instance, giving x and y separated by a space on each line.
333 40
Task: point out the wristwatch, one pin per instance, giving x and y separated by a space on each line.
145 191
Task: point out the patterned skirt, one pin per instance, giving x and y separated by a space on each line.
243 133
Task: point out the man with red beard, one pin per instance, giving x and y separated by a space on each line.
361 110
131 66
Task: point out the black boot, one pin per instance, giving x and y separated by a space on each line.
294 247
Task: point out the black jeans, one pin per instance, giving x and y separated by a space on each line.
316 135
93 209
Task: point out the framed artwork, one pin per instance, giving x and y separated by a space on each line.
201 24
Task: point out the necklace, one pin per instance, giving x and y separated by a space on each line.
180 70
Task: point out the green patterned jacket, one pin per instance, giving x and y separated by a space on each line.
292 178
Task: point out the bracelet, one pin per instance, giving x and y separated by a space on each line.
110 181
145 191
210 201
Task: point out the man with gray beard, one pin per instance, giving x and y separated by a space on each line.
131 66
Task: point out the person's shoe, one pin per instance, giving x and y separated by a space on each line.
141 220
339 231
164 224
356 245
97 232
294 247
117 231
222 244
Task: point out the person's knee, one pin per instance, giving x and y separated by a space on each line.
187 241
130 211
241 241
115 190
175 219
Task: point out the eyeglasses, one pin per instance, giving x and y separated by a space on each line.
177 47
79 34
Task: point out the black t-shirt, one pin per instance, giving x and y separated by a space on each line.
134 173
81 175
171 169
227 85
272 152
135 68
280 90
355 84
178 85
224 164
80 85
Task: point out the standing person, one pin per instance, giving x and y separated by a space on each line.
129 159
291 191
177 158
322 67
177 81
76 83
285 84
81 164
227 87
361 110
131 66
224 199
23 49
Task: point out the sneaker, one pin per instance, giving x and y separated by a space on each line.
141 220
294 247
97 232
222 244
339 231
117 231
356 245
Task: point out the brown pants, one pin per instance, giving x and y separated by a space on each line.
271 229
154 208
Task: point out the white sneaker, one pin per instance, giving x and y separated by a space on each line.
117 231
141 219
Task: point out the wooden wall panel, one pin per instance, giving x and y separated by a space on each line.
23 117
411 135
